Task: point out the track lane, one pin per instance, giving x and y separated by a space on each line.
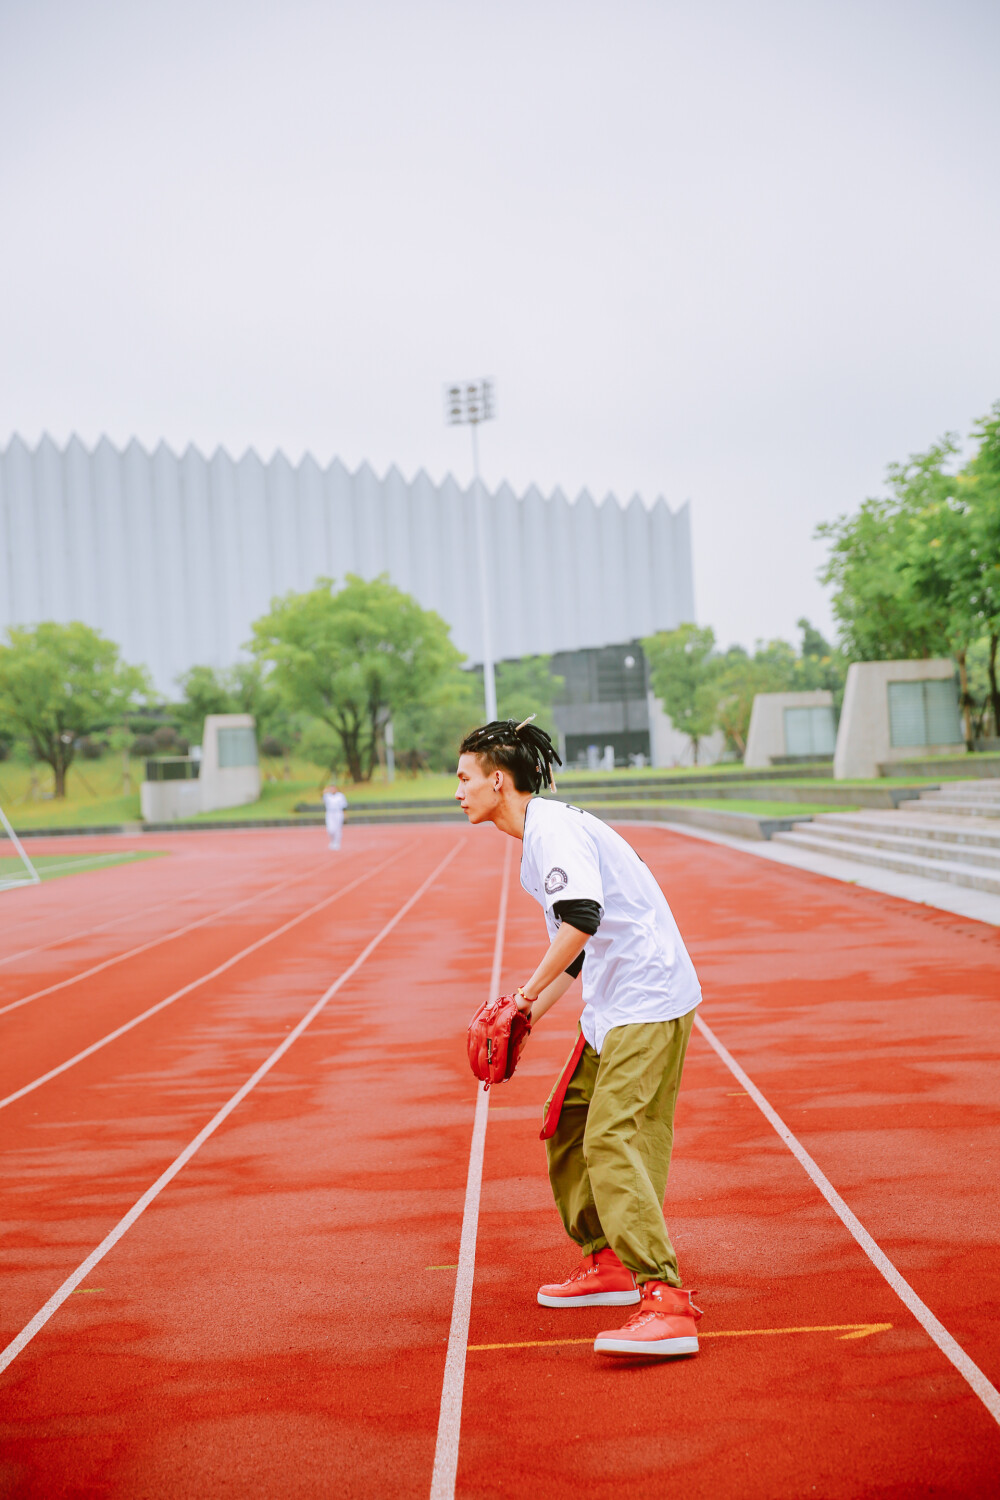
43 1035
765 1417
872 1026
79 1275
191 866
76 1155
269 1362
208 977
294 874
167 937
247 1308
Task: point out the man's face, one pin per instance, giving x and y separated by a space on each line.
477 793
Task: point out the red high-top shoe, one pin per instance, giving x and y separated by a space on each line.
665 1323
601 1281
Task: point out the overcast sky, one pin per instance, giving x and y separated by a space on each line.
743 254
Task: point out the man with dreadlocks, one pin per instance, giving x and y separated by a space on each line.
609 1120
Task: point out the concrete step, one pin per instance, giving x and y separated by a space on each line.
959 807
954 872
959 832
977 791
984 857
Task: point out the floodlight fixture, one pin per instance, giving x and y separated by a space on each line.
470 401
466 404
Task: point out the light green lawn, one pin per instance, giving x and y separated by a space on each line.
729 804
55 866
95 796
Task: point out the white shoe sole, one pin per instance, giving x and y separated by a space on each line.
640 1347
595 1299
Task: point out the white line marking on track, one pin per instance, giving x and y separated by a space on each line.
13 1349
194 985
950 1348
86 859
119 958
129 916
450 1420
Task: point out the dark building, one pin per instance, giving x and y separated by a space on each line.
605 700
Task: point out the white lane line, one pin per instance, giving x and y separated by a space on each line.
450 1418
90 859
166 937
950 1348
129 916
194 985
13 1349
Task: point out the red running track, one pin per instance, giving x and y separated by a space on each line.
276 1321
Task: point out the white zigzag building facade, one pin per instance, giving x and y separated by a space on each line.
173 557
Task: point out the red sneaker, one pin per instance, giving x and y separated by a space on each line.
666 1323
602 1281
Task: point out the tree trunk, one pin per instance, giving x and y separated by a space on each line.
694 749
994 689
352 751
59 755
963 678
374 711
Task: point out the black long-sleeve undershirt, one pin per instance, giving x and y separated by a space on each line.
585 916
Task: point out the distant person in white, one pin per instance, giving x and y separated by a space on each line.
609 1121
334 803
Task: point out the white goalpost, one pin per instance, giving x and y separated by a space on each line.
15 866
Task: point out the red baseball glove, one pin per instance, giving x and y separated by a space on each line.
497 1032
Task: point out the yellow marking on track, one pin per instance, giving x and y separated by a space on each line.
83 1291
845 1330
442 1268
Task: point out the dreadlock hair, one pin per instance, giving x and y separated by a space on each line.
522 749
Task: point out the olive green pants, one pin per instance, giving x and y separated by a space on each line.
610 1155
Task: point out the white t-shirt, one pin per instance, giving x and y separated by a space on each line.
636 967
334 802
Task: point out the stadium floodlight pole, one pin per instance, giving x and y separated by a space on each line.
470 403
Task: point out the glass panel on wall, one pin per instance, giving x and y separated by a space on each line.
798 732
944 726
907 721
810 731
824 731
237 747
924 713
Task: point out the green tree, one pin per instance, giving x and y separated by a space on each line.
882 611
204 691
917 572
739 677
243 689
528 686
978 566
682 672
61 682
428 731
321 746
352 657
774 667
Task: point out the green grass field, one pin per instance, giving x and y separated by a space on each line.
95 795
55 866
726 804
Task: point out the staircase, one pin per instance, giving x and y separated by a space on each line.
951 833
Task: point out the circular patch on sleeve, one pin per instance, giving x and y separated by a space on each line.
555 880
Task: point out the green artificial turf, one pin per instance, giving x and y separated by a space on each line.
726 804
54 866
